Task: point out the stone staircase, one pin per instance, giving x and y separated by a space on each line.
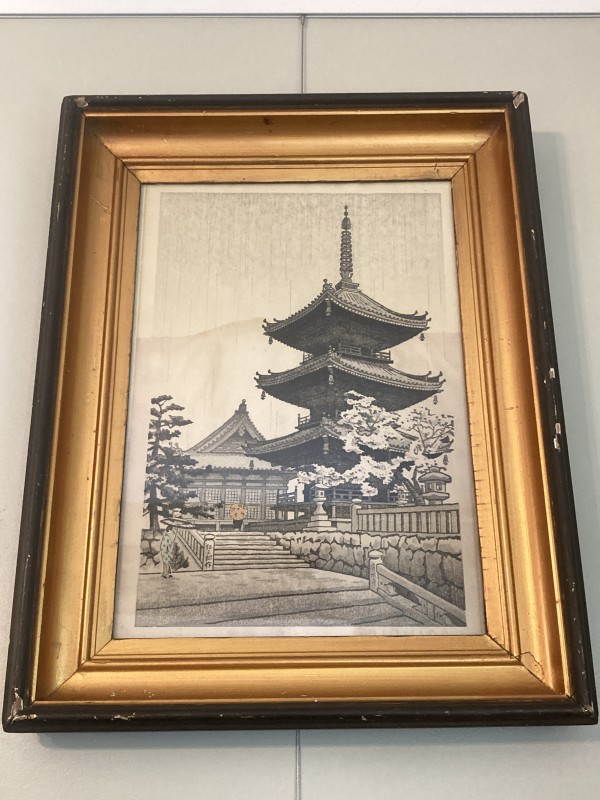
241 550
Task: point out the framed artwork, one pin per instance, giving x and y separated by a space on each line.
297 452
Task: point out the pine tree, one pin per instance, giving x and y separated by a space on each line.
169 470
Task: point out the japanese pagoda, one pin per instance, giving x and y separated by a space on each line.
344 336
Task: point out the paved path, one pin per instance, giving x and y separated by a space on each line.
263 597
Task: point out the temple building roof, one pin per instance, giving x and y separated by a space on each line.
232 435
226 446
235 461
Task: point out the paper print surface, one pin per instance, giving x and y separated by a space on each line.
298 458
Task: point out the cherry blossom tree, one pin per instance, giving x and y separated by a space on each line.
392 447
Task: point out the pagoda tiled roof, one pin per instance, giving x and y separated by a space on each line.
354 300
327 427
378 371
361 303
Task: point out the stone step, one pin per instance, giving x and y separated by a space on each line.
242 537
244 561
232 558
263 565
251 544
258 554
283 556
256 548
261 545
252 551
249 551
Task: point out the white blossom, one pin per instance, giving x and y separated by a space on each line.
418 436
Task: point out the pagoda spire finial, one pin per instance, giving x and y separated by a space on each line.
346 267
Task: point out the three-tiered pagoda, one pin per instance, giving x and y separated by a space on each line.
344 336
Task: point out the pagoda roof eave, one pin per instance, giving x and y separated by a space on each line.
355 302
326 427
304 440
380 373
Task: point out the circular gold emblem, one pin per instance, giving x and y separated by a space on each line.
238 511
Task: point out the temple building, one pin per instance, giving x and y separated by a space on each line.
232 477
344 337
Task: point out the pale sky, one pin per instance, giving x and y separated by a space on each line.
217 260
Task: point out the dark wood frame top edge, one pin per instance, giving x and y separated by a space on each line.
467 100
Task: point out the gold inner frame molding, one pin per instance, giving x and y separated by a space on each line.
523 655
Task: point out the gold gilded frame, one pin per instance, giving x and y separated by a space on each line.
532 664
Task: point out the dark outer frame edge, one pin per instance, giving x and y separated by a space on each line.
18 676
20 715
551 407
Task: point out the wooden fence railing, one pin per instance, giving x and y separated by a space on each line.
406 519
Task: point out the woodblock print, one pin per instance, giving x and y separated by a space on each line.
342 501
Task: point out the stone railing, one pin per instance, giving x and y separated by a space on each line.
432 561
413 600
200 545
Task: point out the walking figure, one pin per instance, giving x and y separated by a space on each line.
167 552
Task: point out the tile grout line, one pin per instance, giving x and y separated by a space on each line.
303 21
298 792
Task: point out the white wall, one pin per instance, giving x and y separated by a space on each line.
557 62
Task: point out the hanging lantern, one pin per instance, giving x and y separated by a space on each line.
422 337
262 395
435 400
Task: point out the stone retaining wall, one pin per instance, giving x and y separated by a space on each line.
433 561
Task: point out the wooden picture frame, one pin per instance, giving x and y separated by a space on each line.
533 663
